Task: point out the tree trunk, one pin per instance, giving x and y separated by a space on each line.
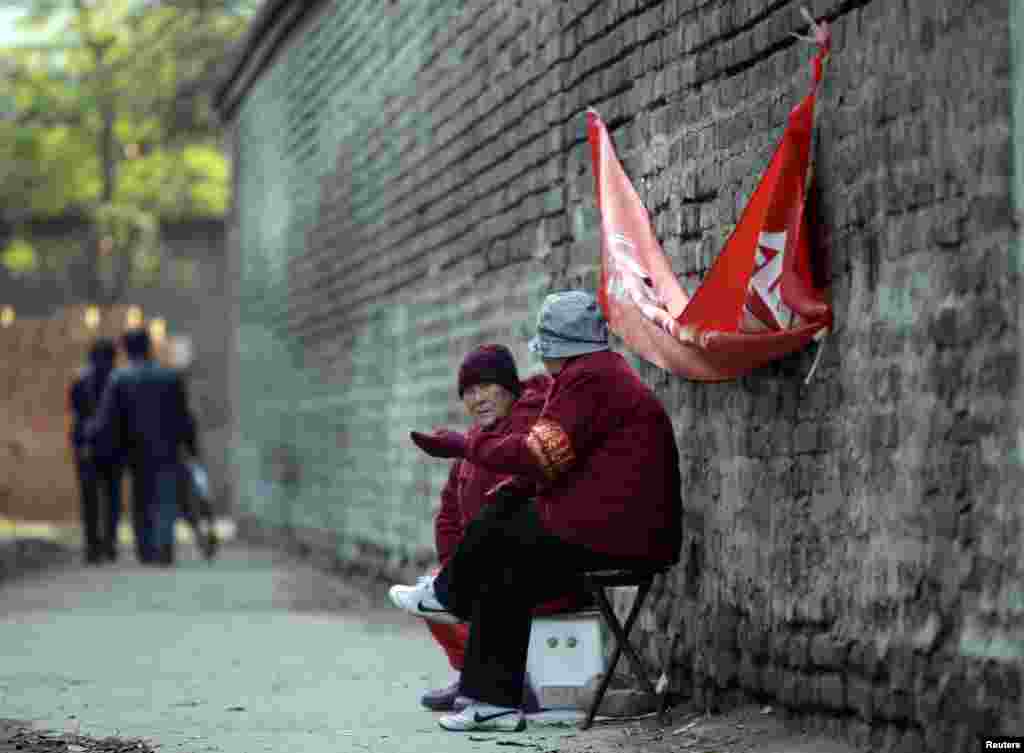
99 292
94 280
108 157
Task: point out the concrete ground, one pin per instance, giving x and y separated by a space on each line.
251 653
258 653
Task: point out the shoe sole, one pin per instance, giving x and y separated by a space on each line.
496 726
446 617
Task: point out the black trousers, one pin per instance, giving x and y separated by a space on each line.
505 564
99 487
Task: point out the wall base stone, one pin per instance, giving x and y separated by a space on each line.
368 563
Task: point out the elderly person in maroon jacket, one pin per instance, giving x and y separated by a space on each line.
498 402
602 469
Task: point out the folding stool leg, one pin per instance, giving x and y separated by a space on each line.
595 702
621 634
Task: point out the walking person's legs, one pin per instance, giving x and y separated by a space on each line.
141 502
165 512
110 482
190 507
88 493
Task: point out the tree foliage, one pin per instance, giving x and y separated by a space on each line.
111 116
148 64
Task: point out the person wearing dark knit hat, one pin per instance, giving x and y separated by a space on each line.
490 364
497 401
606 495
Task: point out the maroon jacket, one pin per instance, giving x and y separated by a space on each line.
465 492
604 454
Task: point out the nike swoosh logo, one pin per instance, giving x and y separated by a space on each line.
480 718
422 608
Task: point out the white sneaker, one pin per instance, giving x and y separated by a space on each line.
484 718
421 601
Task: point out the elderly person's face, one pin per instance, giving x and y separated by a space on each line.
487 403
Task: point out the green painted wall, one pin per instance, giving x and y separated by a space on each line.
342 405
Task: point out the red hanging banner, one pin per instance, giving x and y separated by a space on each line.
757 303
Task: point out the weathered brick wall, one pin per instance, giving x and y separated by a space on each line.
413 177
862 533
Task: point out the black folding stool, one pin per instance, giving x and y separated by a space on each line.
595 582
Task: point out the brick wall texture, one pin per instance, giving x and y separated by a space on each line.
412 178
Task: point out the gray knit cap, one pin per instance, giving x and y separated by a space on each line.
570 323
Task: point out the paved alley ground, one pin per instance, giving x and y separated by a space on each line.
258 653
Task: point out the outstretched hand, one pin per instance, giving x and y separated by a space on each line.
443 443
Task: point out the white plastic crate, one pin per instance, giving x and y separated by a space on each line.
566 651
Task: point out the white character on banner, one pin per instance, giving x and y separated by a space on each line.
764 309
629 282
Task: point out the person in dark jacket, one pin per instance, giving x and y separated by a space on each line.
596 486
144 411
99 478
497 401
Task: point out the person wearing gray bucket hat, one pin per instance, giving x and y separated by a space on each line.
570 323
497 401
595 485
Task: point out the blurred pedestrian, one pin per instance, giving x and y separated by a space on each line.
197 508
99 476
144 411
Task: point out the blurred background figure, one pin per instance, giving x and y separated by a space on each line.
99 475
197 507
144 412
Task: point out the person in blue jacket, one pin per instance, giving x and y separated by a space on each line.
144 412
99 478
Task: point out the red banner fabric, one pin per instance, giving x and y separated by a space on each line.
757 303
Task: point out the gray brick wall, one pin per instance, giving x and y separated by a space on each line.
413 177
